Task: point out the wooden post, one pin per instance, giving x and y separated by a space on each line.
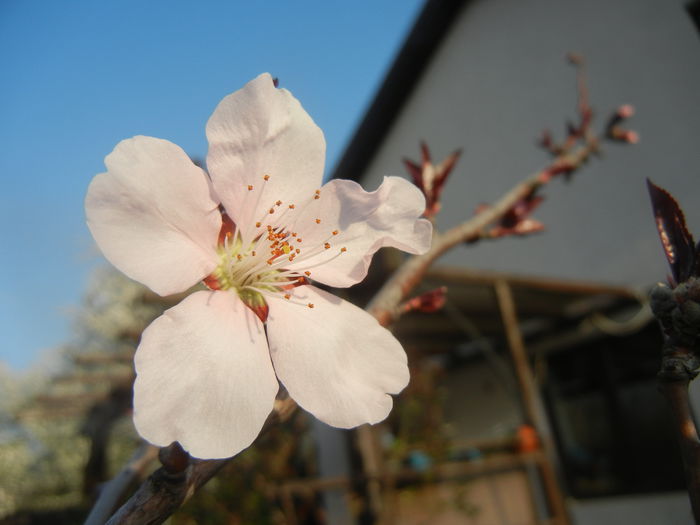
371 454
532 404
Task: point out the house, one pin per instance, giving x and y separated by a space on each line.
488 76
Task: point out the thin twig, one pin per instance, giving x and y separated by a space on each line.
395 290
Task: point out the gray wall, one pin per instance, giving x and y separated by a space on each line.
500 78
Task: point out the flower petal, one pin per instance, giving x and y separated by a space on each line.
153 215
204 377
261 130
335 359
365 222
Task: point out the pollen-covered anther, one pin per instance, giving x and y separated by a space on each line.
307 273
272 210
250 187
318 221
266 178
257 225
239 256
343 249
335 232
287 296
310 305
291 206
327 245
278 203
253 253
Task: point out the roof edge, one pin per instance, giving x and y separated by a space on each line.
428 32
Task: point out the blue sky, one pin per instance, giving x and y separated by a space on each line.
80 76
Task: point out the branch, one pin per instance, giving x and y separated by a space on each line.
384 305
677 308
677 312
112 492
169 487
673 384
165 491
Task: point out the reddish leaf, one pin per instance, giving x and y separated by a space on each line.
415 171
443 172
677 241
431 178
428 302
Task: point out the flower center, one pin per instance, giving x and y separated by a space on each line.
254 261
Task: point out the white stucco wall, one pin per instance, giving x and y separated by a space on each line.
500 78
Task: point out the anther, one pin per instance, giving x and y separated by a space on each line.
239 257
335 232
272 210
287 296
310 305
318 221
253 253
250 187
343 249
326 246
307 273
291 206
266 177
257 225
278 203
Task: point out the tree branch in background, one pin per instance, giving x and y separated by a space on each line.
510 214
